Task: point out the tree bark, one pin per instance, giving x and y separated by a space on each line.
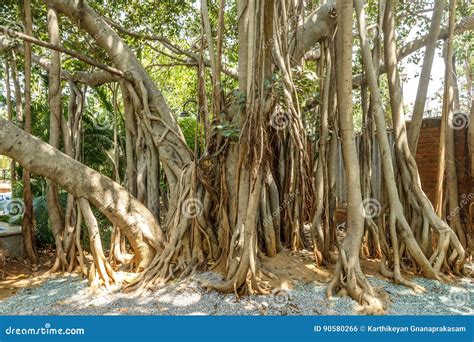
446 112
27 226
166 133
122 209
9 109
410 180
452 185
348 264
424 80
316 26
54 207
397 218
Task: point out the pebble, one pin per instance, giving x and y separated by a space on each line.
70 295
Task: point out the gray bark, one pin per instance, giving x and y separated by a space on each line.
112 200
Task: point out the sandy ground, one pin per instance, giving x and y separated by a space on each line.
300 290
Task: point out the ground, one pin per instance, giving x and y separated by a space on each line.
300 290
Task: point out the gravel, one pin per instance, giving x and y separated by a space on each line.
70 295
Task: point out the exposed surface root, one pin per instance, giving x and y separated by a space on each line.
351 280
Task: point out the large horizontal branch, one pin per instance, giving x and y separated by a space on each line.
466 24
92 79
317 26
111 199
85 59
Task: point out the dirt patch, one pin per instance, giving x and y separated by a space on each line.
288 268
15 274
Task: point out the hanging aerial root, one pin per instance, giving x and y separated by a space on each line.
183 252
419 201
397 276
100 273
242 270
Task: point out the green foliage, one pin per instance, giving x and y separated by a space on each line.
189 126
98 139
229 130
44 233
180 23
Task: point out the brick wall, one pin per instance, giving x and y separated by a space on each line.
427 157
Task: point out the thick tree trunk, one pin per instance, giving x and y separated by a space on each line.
165 130
321 177
470 138
70 127
159 135
316 26
453 205
348 264
112 200
447 112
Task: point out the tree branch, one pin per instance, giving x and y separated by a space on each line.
93 78
168 44
466 24
315 27
85 59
